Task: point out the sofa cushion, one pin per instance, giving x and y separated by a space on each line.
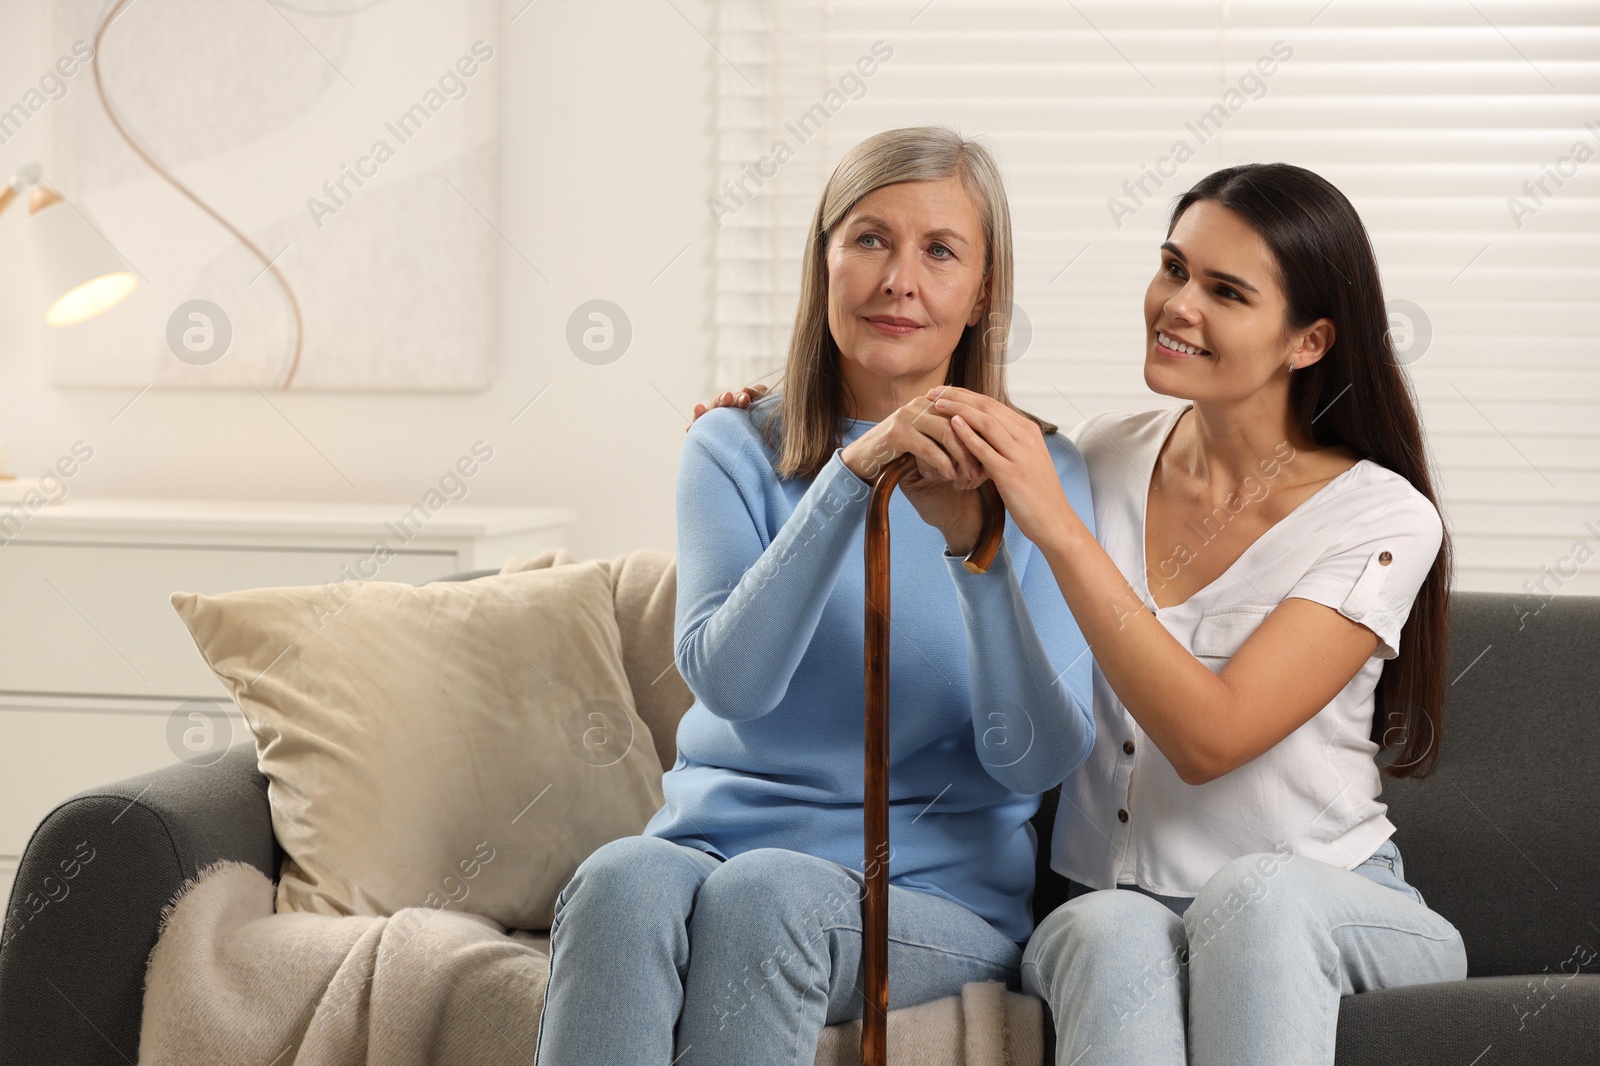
1488 1021
462 742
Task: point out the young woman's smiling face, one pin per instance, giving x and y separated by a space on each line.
1215 312
905 278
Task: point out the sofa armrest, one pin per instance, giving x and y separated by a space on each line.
86 905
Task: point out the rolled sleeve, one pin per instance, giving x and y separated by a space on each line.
1373 571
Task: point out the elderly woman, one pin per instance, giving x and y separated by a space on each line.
735 917
1266 599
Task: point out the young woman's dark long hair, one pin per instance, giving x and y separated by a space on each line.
1355 395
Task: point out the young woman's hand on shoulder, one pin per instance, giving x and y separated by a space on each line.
742 398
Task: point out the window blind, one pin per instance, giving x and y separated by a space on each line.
1466 133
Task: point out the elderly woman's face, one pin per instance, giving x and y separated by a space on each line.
905 277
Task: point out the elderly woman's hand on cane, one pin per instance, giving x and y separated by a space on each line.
943 487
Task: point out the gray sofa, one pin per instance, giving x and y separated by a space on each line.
1501 840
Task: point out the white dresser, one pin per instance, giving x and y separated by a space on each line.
98 675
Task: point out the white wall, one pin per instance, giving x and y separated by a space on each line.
606 161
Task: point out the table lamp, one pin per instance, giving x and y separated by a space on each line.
79 273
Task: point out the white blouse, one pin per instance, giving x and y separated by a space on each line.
1362 544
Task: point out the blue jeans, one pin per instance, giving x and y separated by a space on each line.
774 938
1248 972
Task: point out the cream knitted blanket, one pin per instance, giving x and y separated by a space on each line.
231 981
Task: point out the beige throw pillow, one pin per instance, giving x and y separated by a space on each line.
644 586
460 744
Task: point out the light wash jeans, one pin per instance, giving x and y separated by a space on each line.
756 954
1249 972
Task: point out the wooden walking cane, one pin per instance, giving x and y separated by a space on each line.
875 811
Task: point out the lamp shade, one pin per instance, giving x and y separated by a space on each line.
79 273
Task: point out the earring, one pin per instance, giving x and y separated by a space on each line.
1291 363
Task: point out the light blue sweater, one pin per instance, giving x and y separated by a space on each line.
769 629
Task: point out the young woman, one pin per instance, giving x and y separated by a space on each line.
1282 541
735 918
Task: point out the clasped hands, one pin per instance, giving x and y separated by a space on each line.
960 440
